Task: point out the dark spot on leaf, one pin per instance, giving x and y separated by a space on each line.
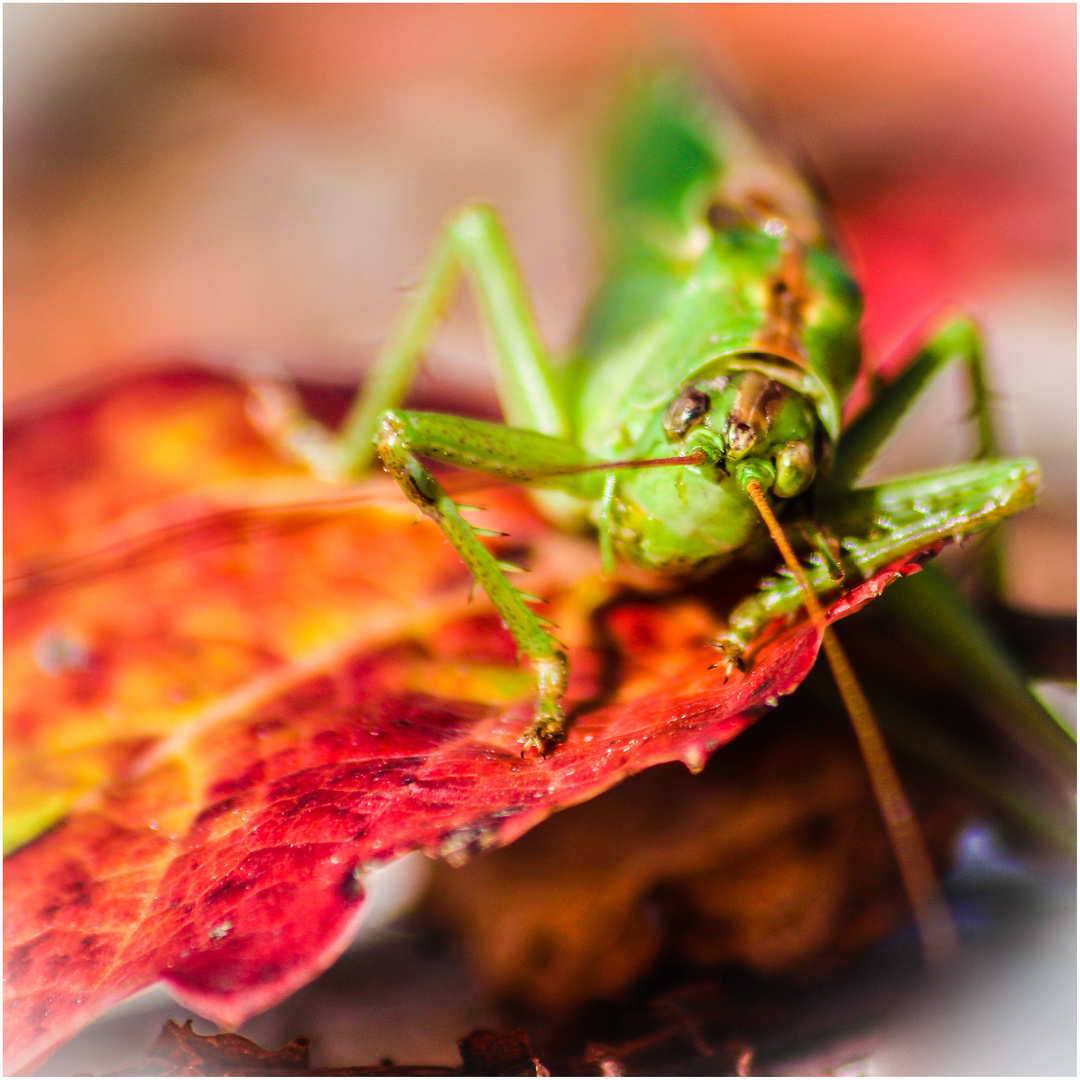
352 886
19 959
78 892
215 810
228 886
56 963
256 774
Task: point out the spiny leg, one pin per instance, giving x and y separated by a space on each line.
513 454
956 341
880 524
474 241
929 603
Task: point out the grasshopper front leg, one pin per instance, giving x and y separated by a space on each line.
878 525
513 454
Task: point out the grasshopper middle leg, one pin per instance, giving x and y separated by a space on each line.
473 241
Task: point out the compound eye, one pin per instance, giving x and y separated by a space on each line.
686 411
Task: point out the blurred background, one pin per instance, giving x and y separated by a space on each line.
222 180
225 181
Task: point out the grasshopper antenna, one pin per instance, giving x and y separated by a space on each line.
936 929
697 457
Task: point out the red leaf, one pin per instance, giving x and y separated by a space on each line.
342 706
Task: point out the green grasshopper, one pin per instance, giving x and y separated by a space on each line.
702 398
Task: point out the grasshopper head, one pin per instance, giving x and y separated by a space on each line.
744 420
738 424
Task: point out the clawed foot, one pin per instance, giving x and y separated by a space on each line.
544 735
732 652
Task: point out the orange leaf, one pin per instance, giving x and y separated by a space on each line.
233 711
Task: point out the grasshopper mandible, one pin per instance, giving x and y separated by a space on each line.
701 402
